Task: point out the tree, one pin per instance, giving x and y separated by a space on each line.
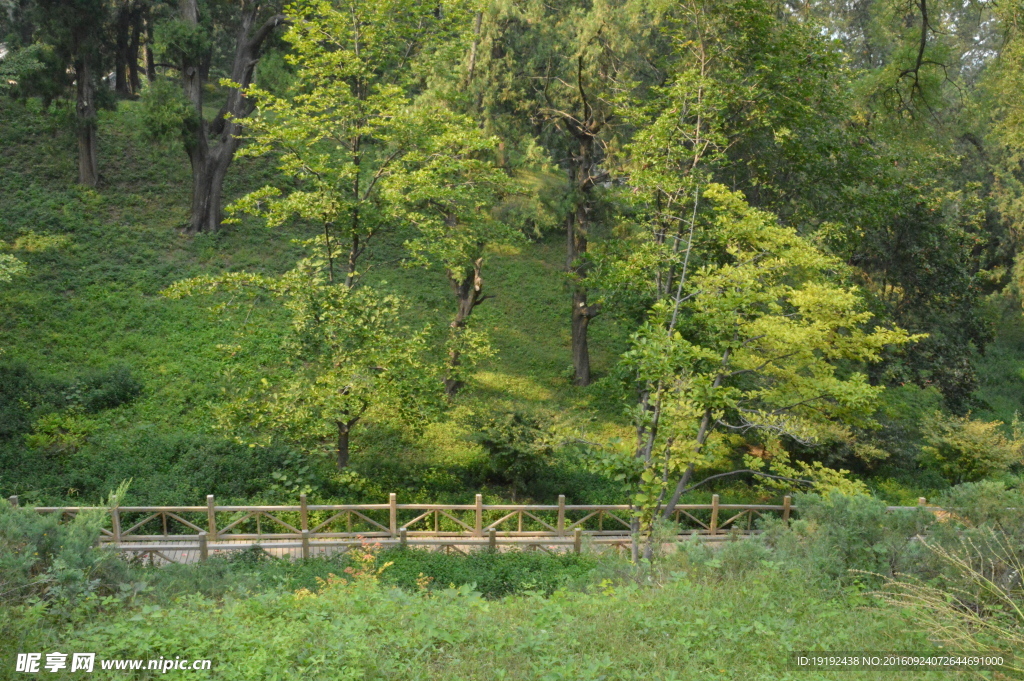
129 20
347 124
758 338
189 42
367 154
554 74
450 195
967 450
898 177
18 63
346 359
77 31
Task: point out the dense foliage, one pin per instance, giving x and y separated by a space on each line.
846 575
628 251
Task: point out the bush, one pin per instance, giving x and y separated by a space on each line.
968 589
104 389
986 503
518 449
25 396
20 395
40 557
492 574
840 537
966 450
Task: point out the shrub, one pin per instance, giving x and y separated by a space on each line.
20 394
104 389
967 450
986 503
518 449
57 562
977 601
835 534
26 396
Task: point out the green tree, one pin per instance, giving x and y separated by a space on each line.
451 195
345 360
963 449
555 74
896 177
18 63
78 33
370 151
348 123
758 338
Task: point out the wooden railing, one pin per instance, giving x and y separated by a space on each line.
142 529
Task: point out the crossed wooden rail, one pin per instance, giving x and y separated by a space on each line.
306 527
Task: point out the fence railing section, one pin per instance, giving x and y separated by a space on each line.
216 527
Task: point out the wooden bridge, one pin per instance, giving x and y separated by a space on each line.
184 534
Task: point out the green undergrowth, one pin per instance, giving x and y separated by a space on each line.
705 624
94 303
493 575
830 582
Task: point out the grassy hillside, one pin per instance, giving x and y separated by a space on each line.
91 308
94 303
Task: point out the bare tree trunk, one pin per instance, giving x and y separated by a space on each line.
147 19
85 110
210 161
344 429
469 294
134 86
122 29
577 231
583 173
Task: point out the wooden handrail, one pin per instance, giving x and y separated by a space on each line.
508 524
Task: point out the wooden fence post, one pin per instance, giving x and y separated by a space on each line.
561 515
921 501
479 526
115 523
305 541
492 539
304 519
211 516
393 502
403 537
577 539
786 502
713 529
204 549
13 500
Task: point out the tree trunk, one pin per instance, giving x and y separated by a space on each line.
134 86
343 432
469 294
576 253
122 30
582 176
580 349
147 19
213 144
706 426
85 110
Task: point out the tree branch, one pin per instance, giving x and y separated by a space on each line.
745 470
